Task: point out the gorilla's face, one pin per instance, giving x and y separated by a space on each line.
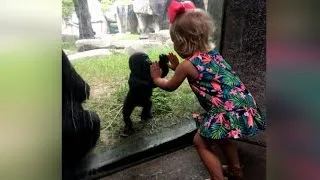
139 64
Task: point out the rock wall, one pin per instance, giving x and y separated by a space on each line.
126 19
151 15
244 41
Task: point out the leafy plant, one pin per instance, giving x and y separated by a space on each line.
67 9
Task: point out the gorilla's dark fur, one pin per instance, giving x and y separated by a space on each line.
80 128
141 86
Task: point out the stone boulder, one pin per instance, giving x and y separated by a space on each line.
151 15
142 7
145 44
158 8
161 36
133 49
91 53
90 44
126 19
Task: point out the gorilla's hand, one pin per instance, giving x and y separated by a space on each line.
163 63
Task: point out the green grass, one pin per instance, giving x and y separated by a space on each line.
108 77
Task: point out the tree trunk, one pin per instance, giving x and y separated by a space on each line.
84 17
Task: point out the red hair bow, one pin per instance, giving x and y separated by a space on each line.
175 8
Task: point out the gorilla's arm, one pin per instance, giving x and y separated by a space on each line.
72 83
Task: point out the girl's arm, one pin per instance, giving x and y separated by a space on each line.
172 84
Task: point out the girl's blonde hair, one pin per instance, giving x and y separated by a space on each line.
191 32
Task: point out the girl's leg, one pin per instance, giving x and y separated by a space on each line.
230 151
208 158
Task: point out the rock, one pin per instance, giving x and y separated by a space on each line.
144 36
107 42
91 53
145 44
161 36
126 19
145 22
142 7
160 18
104 36
133 49
132 21
90 44
151 15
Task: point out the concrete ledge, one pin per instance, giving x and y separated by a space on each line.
138 147
186 164
141 149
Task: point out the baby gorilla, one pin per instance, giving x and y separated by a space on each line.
140 88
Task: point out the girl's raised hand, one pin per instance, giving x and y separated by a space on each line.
155 71
173 61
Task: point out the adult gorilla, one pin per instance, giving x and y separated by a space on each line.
80 128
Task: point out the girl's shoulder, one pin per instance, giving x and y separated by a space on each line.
211 58
208 56
213 53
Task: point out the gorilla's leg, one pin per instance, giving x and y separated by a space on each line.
88 133
146 111
93 124
77 143
128 107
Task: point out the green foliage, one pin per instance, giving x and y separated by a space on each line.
161 102
106 4
67 9
122 92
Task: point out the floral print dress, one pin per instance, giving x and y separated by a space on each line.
231 111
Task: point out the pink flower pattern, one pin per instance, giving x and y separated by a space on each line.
202 93
226 112
228 105
234 134
200 68
233 92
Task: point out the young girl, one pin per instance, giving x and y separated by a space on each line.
231 110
